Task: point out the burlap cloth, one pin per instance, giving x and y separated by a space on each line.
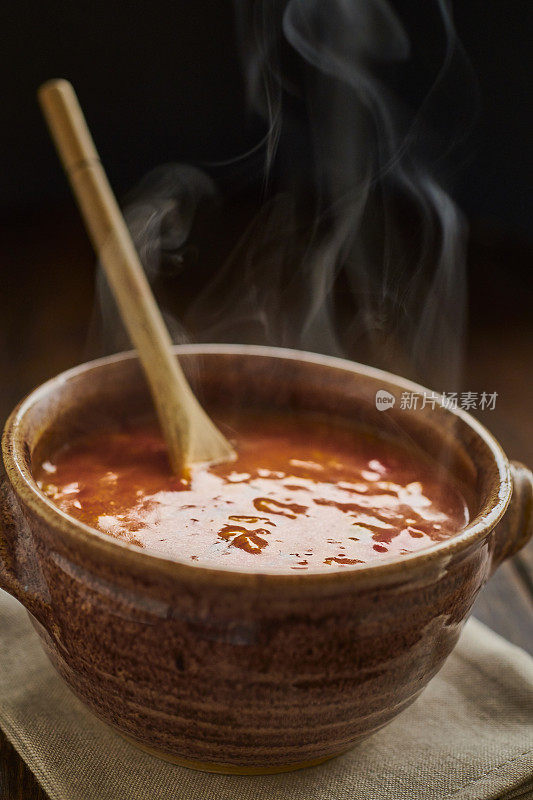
470 735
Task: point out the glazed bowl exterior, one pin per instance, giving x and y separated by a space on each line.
241 671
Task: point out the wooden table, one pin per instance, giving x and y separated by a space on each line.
48 307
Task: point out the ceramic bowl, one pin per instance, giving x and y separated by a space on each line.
235 671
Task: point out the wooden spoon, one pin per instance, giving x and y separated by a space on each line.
190 434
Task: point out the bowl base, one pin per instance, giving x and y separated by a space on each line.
228 769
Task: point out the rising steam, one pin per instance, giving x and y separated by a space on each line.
348 243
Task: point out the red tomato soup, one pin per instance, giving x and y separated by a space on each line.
303 494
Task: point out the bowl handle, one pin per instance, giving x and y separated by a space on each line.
516 527
20 571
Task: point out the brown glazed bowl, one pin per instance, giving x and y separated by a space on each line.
234 671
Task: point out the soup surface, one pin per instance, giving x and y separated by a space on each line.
303 494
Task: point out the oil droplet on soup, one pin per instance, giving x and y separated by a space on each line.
303 495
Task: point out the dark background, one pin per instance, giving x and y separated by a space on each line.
161 82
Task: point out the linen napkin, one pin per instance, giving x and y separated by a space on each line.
468 737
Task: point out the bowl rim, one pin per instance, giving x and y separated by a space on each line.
23 483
